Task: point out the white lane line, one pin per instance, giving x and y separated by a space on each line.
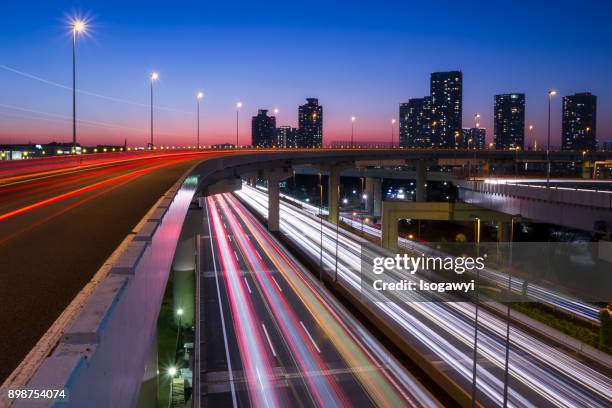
259 256
310 337
247 285
236 255
268 337
227 356
277 285
263 390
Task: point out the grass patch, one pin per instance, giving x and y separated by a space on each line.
588 334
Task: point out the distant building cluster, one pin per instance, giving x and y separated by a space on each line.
32 150
308 134
435 121
579 122
509 121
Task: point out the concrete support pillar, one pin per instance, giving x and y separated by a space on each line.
421 180
273 178
587 168
389 230
183 269
486 168
374 196
503 231
273 204
333 183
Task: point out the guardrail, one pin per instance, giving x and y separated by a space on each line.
102 355
582 209
553 194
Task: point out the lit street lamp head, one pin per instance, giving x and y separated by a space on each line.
552 92
353 118
78 26
238 105
154 76
200 95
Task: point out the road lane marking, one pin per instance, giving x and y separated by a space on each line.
247 285
227 356
277 285
265 394
268 337
310 337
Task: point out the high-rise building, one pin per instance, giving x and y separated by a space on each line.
310 124
509 121
286 136
473 138
415 122
263 129
446 100
579 122
403 124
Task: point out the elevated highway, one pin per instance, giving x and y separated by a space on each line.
62 228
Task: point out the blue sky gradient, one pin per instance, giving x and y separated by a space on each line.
358 58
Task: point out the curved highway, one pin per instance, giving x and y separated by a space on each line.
540 375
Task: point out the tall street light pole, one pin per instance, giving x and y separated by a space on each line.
154 77
535 142
392 126
321 225
278 143
199 97
551 93
352 130
78 27
476 303
238 106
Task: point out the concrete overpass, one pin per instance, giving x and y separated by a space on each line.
584 209
99 356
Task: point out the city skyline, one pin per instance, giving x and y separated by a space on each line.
348 74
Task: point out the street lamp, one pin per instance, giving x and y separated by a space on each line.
392 126
476 304
238 106
314 126
353 118
78 27
337 233
321 224
199 97
154 77
535 142
551 93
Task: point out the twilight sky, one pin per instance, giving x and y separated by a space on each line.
358 58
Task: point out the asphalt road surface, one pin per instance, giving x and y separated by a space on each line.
58 226
443 331
273 336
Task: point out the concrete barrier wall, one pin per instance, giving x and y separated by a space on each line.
100 359
571 208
